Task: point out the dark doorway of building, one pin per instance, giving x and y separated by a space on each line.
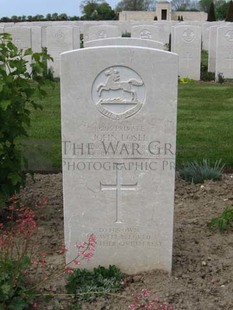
164 15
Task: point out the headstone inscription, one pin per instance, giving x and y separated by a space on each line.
160 32
119 133
101 32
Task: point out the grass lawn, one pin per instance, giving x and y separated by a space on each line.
204 130
43 147
205 127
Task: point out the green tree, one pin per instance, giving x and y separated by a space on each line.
89 9
179 5
54 16
63 16
229 17
211 13
105 12
97 10
14 18
48 16
135 5
221 11
205 5
19 89
5 19
38 17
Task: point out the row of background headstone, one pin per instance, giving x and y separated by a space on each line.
186 40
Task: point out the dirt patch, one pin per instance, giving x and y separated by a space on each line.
202 260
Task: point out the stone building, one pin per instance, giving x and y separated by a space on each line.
163 12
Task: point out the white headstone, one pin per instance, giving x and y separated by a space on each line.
126 42
224 52
101 32
36 38
159 32
212 48
206 34
186 43
119 134
59 39
21 36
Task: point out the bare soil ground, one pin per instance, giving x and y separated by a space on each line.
202 276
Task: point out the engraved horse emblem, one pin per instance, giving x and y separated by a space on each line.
114 83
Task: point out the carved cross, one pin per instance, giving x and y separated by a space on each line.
118 186
188 58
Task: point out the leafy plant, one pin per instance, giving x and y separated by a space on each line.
81 40
14 292
220 78
126 34
205 74
87 285
224 221
184 80
197 172
145 300
20 82
17 254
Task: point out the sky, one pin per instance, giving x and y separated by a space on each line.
9 8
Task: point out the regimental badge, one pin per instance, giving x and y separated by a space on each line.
118 92
188 35
229 35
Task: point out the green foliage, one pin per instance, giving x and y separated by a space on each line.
229 16
205 5
18 87
18 255
205 74
220 78
38 17
126 34
136 5
184 5
224 221
81 41
221 11
93 10
198 172
87 285
14 294
184 80
105 12
211 13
